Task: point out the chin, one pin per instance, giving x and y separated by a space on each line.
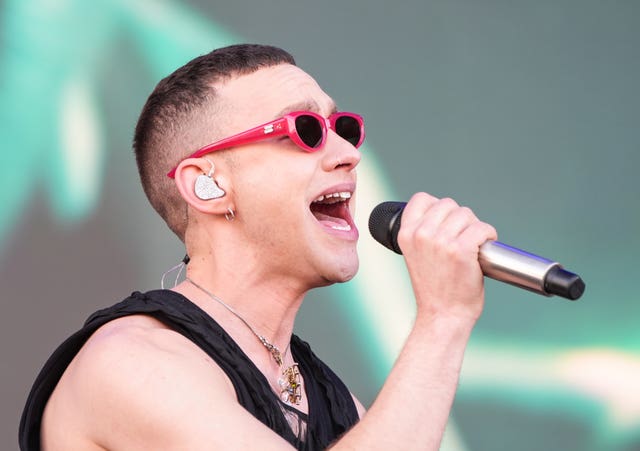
342 274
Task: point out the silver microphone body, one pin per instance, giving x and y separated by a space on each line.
515 266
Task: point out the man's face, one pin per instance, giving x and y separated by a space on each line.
278 188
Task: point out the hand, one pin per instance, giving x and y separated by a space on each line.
440 241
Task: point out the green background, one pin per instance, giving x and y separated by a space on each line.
527 111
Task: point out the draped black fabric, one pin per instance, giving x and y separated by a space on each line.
331 408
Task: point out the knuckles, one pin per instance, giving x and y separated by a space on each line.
456 234
448 202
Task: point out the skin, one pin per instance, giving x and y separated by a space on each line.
138 385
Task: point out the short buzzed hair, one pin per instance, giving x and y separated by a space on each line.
174 115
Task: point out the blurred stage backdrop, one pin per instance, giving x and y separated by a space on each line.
527 111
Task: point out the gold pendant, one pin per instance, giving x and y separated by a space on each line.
291 392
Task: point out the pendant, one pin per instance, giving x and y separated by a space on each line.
291 389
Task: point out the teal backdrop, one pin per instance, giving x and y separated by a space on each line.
526 111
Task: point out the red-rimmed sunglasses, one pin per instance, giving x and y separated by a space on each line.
308 130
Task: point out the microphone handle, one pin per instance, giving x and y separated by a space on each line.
531 272
497 260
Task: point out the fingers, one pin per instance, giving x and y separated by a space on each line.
416 207
478 233
440 241
442 222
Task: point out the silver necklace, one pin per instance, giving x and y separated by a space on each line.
289 381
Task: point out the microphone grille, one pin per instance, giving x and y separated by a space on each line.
384 223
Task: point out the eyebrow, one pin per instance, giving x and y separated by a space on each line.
306 105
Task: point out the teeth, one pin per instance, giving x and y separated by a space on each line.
337 196
345 228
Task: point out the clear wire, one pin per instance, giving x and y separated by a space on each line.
180 267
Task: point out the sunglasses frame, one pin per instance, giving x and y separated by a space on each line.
286 125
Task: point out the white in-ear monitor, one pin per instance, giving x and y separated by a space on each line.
206 187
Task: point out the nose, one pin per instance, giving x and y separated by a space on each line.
339 153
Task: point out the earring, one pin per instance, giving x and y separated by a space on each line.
230 214
206 187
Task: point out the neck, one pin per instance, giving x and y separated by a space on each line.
248 298
289 386
245 305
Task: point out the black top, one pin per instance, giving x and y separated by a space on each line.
331 408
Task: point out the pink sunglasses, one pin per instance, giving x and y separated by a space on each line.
308 130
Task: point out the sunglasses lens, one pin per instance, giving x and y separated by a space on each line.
348 128
309 130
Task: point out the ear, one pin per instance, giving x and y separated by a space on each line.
187 176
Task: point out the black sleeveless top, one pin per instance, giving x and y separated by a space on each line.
331 408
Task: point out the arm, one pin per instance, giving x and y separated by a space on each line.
440 243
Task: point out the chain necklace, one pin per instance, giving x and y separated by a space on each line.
289 381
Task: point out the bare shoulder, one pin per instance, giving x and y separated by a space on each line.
140 385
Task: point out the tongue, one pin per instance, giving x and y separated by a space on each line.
331 221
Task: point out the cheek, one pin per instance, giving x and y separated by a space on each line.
271 193
271 214
279 188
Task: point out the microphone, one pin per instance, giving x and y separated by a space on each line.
497 260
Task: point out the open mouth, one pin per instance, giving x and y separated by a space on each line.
332 210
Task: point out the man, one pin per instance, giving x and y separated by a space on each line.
249 163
